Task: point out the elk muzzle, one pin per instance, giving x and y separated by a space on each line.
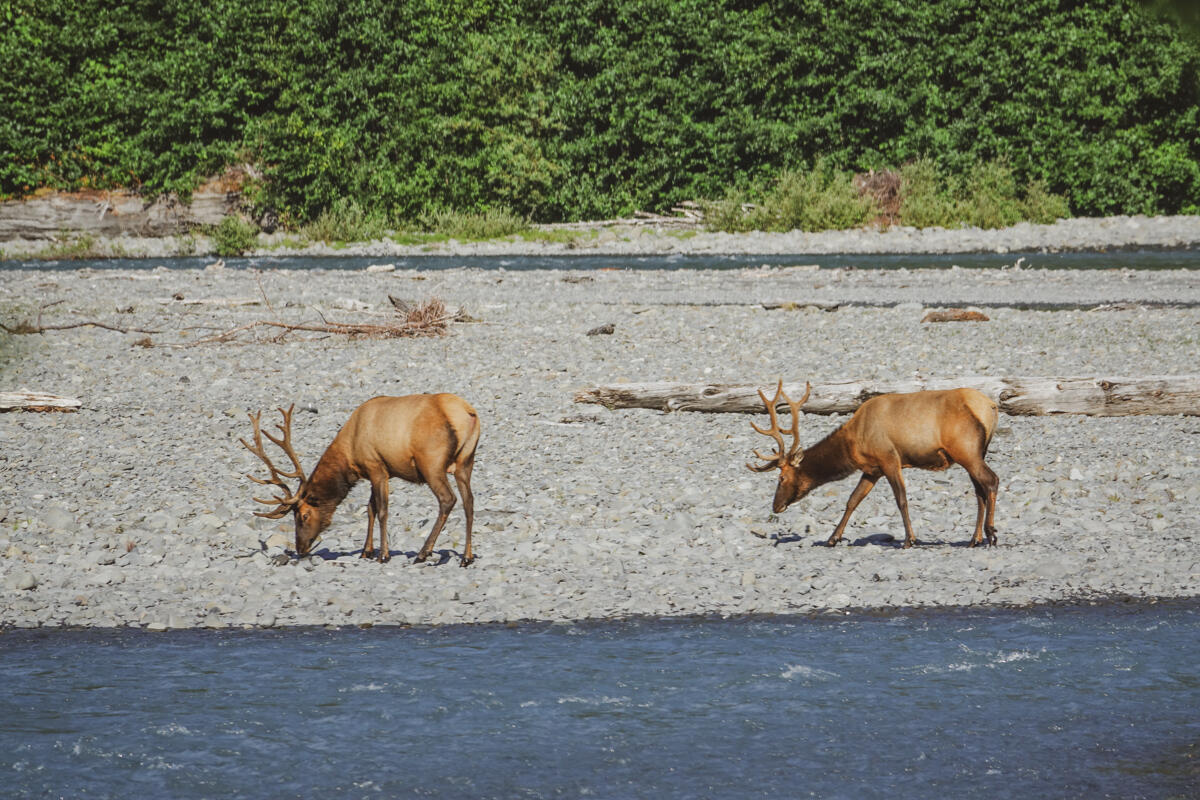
309 524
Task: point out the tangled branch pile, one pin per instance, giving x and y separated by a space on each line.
425 318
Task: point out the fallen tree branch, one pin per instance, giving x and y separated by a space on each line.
1101 397
37 401
428 318
24 328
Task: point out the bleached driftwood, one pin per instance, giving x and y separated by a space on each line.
210 301
1100 397
37 401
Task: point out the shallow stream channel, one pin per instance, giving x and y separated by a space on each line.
1085 701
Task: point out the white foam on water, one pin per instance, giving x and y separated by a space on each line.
987 661
806 672
596 701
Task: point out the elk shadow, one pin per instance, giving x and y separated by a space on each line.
436 559
331 555
887 540
870 540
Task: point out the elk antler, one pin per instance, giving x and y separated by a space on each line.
777 459
290 498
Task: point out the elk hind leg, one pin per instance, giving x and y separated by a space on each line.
462 476
368 550
445 496
379 499
865 484
986 484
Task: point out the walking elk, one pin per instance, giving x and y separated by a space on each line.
928 430
418 438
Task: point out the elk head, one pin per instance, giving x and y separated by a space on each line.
793 484
310 520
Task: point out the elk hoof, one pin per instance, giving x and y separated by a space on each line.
367 554
908 543
466 562
831 543
420 559
385 557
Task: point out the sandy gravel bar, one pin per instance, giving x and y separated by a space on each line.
134 511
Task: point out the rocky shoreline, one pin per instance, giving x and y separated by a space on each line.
135 512
1108 233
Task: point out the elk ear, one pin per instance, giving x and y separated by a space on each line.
796 458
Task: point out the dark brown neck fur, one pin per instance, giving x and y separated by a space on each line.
330 482
828 460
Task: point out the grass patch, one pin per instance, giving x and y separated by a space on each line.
558 235
474 226
414 238
288 243
82 246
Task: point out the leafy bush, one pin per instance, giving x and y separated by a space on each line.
234 236
594 108
987 196
818 199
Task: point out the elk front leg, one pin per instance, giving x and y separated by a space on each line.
445 497
896 479
865 484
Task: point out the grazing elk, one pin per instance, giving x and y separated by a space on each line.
927 430
419 438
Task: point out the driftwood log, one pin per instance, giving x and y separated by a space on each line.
37 401
1099 397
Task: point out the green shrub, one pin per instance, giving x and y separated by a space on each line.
1042 206
474 226
731 214
595 108
925 199
817 200
987 196
346 221
234 236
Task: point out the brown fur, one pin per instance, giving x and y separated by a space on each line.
419 438
891 432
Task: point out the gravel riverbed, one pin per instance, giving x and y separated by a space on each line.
135 510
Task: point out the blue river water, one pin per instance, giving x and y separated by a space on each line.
1089 702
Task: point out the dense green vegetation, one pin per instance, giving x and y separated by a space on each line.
363 113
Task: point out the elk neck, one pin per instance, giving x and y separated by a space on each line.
331 480
828 460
